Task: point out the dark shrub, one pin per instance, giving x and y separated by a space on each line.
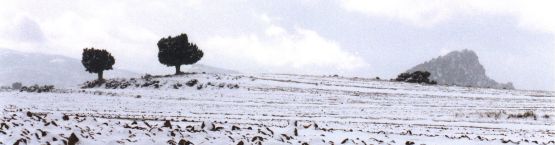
526 114
233 86
37 88
177 85
92 84
192 82
403 77
416 77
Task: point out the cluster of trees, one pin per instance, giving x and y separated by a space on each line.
173 52
416 77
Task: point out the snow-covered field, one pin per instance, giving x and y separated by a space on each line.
276 109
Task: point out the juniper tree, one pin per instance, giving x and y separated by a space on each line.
97 60
177 51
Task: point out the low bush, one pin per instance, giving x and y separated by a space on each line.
17 86
232 86
527 114
192 82
416 77
115 84
177 85
92 84
146 77
37 88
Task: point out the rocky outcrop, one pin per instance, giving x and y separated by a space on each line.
461 68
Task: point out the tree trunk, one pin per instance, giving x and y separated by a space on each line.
100 78
178 69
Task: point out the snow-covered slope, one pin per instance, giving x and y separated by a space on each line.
270 109
36 68
209 69
460 68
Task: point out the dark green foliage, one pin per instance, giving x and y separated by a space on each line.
415 77
419 77
177 51
402 77
97 60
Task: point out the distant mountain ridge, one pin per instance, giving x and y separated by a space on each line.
461 68
37 68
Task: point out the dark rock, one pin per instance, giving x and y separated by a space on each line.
167 124
235 128
184 142
72 140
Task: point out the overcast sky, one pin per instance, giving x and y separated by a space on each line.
514 39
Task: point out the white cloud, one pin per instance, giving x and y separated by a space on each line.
280 50
423 13
536 14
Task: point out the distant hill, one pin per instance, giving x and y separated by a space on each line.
37 68
460 68
209 69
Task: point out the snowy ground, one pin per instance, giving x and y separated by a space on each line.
277 109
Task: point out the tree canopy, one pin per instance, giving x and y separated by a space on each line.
97 60
177 51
